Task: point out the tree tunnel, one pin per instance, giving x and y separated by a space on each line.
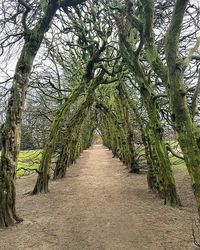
102 66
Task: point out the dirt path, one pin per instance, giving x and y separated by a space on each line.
99 205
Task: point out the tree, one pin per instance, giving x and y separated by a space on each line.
92 47
11 132
188 133
173 73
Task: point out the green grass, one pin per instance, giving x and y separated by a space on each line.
177 164
28 159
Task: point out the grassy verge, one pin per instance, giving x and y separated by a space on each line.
177 164
28 159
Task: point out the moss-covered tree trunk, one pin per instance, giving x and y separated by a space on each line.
151 175
132 162
62 162
68 152
41 185
105 130
165 182
11 131
165 174
74 144
188 134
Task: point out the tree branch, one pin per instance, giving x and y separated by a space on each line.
173 33
191 52
195 97
25 14
151 50
168 147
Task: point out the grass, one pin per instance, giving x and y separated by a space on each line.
31 158
177 164
28 159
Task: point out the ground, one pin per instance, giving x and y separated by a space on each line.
99 205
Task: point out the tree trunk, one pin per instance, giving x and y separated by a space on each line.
11 131
62 163
125 116
42 180
188 133
164 174
151 175
8 216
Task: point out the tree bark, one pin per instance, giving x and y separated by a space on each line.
132 162
188 133
41 185
164 175
151 175
11 132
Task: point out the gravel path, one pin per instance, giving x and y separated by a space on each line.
99 205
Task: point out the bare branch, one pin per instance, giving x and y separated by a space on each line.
191 52
25 14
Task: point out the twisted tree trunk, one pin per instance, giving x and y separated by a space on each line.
11 131
166 180
132 162
41 185
188 133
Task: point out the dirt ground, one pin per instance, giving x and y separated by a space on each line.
99 205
